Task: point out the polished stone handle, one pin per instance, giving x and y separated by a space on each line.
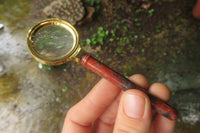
123 83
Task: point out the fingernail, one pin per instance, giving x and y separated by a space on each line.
134 106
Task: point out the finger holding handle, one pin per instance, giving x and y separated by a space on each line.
123 83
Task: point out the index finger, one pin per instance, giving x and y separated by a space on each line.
81 116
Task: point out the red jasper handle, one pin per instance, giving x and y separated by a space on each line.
123 83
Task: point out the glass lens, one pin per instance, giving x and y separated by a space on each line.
53 42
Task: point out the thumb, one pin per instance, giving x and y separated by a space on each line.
134 113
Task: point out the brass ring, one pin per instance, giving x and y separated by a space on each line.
70 55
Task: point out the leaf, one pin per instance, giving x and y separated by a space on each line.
65 89
136 19
88 41
111 39
138 24
100 29
107 33
40 46
138 10
90 2
93 41
82 44
47 68
100 40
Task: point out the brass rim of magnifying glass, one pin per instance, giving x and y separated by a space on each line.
69 56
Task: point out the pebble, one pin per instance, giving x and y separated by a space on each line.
1 26
2 68
40 66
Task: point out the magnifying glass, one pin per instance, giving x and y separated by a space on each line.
54 42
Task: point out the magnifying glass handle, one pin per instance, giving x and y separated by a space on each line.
123 83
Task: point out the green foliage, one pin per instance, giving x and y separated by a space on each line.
111 39
97 55
142 50
65 89
48 68
136 19
45 67
109 59
138 24
143 36
88 41
151 11
119 34
138 10
121 42
98 37
92 2
82 44
181 20
126 75
118 51
158 27
165 54
113 32
119 5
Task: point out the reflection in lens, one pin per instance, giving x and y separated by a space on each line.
53 42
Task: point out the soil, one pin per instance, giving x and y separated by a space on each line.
143 37
148 34
151 37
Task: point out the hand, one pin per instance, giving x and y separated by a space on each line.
196 10
107 109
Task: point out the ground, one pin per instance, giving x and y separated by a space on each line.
151 31
157 38
149 37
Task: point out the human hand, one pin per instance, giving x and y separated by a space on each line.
196 10
107 109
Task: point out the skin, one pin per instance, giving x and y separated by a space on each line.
196 10
103 111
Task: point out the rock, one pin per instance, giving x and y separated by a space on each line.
88 18
187 102
72 11
133 1
146 6
2 68
1 26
